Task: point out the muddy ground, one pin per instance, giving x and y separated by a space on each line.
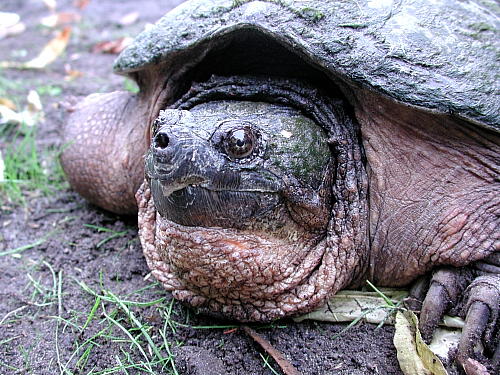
47 321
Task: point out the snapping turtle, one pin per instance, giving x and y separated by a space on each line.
296 148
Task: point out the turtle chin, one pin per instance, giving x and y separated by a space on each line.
248 275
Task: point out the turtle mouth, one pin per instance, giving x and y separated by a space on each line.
201 204
170 187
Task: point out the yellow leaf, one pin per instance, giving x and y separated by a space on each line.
7 115
48 54
414 356
34 102
8 103
51 51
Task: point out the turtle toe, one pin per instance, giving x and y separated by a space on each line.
481 321
470 293
445 288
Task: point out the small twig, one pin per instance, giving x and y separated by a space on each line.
280 359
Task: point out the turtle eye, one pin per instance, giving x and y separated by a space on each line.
239 142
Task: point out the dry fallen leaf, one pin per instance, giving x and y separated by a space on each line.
51 51
60 19
129 19
10 24
8 19
8 116
51 4
349 305
414 356
445 341
34 102
113 46
81 4
29 116
71 74
48 54
8 103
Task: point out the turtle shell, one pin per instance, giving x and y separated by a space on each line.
438 55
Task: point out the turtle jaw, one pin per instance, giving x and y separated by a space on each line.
200 205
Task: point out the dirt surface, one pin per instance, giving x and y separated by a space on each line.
47 321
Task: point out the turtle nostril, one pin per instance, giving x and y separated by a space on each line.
161 140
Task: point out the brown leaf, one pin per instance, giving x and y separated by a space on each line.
112 46
71 74
81 4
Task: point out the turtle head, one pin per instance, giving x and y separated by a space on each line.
238 165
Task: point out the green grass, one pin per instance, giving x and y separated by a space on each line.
49 90
8 85
117 320
266 360
113 233
130 86
26 169
20 249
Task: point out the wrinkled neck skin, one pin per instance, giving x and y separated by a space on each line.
434 192
309 243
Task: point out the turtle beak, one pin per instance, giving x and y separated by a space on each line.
182 155
179 158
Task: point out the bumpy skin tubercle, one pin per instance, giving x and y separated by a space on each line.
104 137
223 273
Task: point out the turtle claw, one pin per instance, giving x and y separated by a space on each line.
445 288
481 308
433 309
475 325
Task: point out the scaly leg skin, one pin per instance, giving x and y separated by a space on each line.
103 140
481 307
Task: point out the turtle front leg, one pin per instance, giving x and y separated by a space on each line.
104 140
477 289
